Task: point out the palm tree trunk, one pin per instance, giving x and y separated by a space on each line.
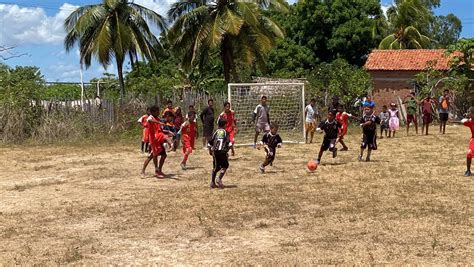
121 82
227 60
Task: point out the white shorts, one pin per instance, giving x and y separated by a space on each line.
262 127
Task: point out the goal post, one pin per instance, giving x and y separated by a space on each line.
286 102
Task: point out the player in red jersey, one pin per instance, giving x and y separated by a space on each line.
228 115
144 124
188 137
343 118
468 122
157 138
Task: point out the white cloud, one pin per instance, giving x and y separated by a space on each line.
159 6
28 25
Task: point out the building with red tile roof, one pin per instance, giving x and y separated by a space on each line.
393 71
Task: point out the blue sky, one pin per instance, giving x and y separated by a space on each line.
35 27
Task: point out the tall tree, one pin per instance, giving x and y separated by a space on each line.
445 30
336 29
234 29
405 19
111 29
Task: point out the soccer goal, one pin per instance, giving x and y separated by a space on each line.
286 102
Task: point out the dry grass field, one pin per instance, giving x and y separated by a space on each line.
89 205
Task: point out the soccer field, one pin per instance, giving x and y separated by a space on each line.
89 205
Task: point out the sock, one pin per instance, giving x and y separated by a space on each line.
185 159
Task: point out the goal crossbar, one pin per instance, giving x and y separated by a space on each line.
286 101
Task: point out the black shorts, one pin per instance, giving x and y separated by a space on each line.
369 140
208 131
221 160
270 154
443 116
328 144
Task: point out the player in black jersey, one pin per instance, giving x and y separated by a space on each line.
368 122
331 128
219 146
270 141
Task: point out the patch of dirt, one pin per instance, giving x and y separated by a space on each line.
89 205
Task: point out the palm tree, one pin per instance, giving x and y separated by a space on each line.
235 29
111 29
405 38
405 20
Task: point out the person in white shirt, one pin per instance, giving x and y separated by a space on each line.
310 122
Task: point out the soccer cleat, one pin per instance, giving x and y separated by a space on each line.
345 149
213 185
367 159
334 153
318 161
160 175
467 173
183 166
262 169
359 158
254 146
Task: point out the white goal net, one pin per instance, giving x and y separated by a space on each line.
286 102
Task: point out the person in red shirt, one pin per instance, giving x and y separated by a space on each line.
228 115
343 118
188 137
468 122
143 123
157 138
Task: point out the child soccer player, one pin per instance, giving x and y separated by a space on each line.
384 118
261 116
219 145
170 126
188 137
143 123
169 107
310 123
343 118
368 122
331 128
427 110
157 138
178 121
228 115
468 122
270 141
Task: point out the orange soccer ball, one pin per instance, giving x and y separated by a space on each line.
312 165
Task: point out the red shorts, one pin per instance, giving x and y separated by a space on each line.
187 147
157 149
342 132
231 136
427 118
188 144
470 152
411 118
145 138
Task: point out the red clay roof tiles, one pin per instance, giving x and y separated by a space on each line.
408 59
